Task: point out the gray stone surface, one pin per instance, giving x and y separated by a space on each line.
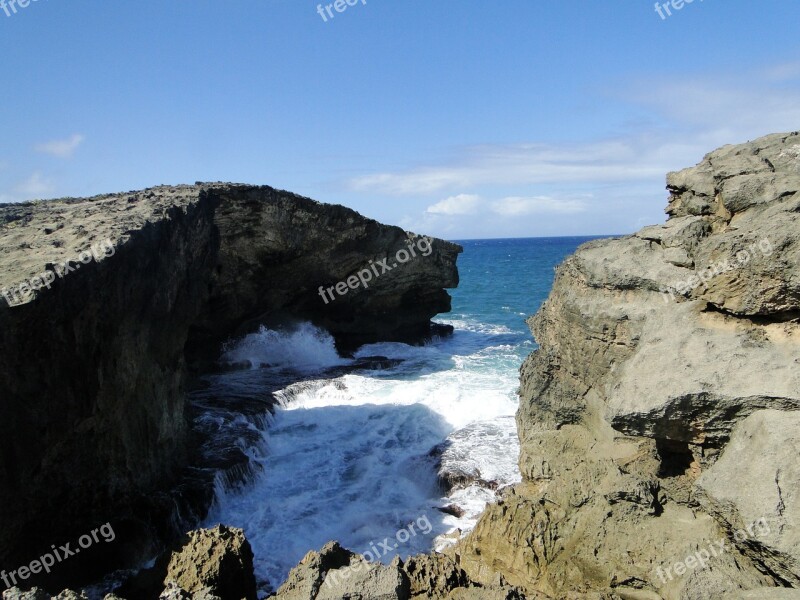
766 594
212 563
757 481
634 395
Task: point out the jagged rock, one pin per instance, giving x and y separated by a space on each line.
213 563
635 395
306 579
104 435
16 593
335 573
174 592
362 580
73 595
487 593
433 576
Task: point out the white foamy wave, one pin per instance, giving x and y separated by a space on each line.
349 455
302 348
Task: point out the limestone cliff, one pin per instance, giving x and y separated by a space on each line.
113 297
659 416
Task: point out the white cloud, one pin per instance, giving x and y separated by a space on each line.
515 206
609 160
35 186
61 148
686 119
463 204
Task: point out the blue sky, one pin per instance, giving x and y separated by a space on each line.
467 119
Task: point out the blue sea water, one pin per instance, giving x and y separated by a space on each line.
347 456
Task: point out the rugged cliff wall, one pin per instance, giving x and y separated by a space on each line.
659 416
95 360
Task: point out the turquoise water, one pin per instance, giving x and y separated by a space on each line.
348 456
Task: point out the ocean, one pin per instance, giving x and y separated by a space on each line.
349 453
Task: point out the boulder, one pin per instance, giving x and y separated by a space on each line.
213 562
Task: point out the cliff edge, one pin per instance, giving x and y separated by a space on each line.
659 418
107 303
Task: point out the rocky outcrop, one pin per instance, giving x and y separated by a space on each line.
658 418
216 562
209 564
108 301
334 573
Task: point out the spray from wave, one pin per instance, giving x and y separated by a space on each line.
303 348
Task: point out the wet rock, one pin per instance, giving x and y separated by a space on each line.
452 509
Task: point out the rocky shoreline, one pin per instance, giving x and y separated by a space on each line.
658 421
658 418
651 428
100 355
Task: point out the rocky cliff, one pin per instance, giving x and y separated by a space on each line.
659 418
108 301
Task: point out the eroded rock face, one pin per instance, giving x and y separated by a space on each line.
756 480
658 417
335 573
95 361
213 562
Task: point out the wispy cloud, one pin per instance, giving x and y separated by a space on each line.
33 188
463 204
524 164
686 119
785 72
61 148
516 206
